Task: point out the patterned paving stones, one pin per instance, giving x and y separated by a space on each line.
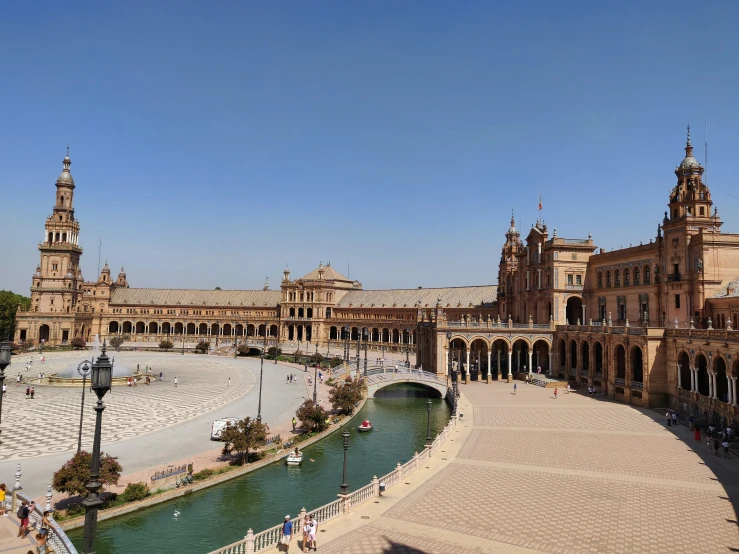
572 475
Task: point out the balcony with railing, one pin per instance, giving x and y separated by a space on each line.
570 286
674 278
638 385
620 382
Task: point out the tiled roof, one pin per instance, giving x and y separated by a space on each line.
728 290
329 273
195 297
482 296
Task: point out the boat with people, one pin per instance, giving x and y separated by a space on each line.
295 458
365 426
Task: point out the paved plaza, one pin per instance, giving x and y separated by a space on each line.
526 473
146 426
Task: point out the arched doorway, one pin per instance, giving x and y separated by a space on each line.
308 332
573 310
215 329
541 357
127 327
637 365
203 329
273 331
585 356
333 333
113 327
722 386
573 354
178 328
458 355
291 332
190 328
684 367
166 328
478 360
153 328
703 386
239 330
562 358
598 351
140 327
499 359
620 362
227 332
44 332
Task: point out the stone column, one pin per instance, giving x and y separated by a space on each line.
731 392
531 366
711 384
467 373
692 378
678 376
490 368
510 362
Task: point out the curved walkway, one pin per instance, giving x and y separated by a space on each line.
531 474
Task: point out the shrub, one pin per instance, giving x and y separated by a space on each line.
316 358
75 473
166 344
336 361
243 349
202 346
78 343
274 351
75 510
246 434
135 491
203 474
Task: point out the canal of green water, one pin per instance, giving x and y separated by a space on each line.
222 514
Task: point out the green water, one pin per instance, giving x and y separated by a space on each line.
220 515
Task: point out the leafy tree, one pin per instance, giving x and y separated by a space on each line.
297 354
243 349
202 346
78 343
274 351
134 492
246 434
75 473
312 418
345 396
218 288
316 358
8 307
166 344
116 342
335 361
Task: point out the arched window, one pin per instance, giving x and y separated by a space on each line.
600 279
647 275
608 279
627 278
637 275
617 277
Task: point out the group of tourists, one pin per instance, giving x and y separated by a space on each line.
308 529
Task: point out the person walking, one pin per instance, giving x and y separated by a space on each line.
690 422
527 378
3 490
555 393
716 444
161 376
514 388
5 389
32 393
294 422
697 432
175 382
28 393
286 533
312 534
725 444
45 524
669 417
306 532
229 381
674 418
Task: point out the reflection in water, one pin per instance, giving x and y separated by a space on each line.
206 520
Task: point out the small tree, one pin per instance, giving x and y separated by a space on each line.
166 344
116 342
345 396
202 346
335 361
298 354
78 343
312 418
316 358
274 351
246 434
75 473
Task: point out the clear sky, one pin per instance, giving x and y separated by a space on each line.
214 142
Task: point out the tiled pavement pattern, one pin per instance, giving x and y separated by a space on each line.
579 476
50 422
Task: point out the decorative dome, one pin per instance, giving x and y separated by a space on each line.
512 230
66 176
689 161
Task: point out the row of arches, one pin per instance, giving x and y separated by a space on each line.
625 277
718 382
590 361
201 329
480 357
375 334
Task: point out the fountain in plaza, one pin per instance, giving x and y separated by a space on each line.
70 375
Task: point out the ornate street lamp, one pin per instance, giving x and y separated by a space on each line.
408 348
101 380
428 422
359 338
5 353
84 370
452 373
261 373
345 439
366 340
315 380
346 343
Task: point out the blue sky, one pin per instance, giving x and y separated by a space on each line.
214 142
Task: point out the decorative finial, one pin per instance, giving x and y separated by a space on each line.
67 149
688 141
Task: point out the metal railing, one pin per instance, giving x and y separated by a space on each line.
637 385
58 540
269 538
621 382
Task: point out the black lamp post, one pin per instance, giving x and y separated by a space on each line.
359 338
84 370
315 380
408 347
102 375
5 353
346 343
366 340
452 373
428 422
261 373
345 439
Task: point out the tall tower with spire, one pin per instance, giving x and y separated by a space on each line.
508 269
57 282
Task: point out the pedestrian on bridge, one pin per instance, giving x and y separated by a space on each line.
514 388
